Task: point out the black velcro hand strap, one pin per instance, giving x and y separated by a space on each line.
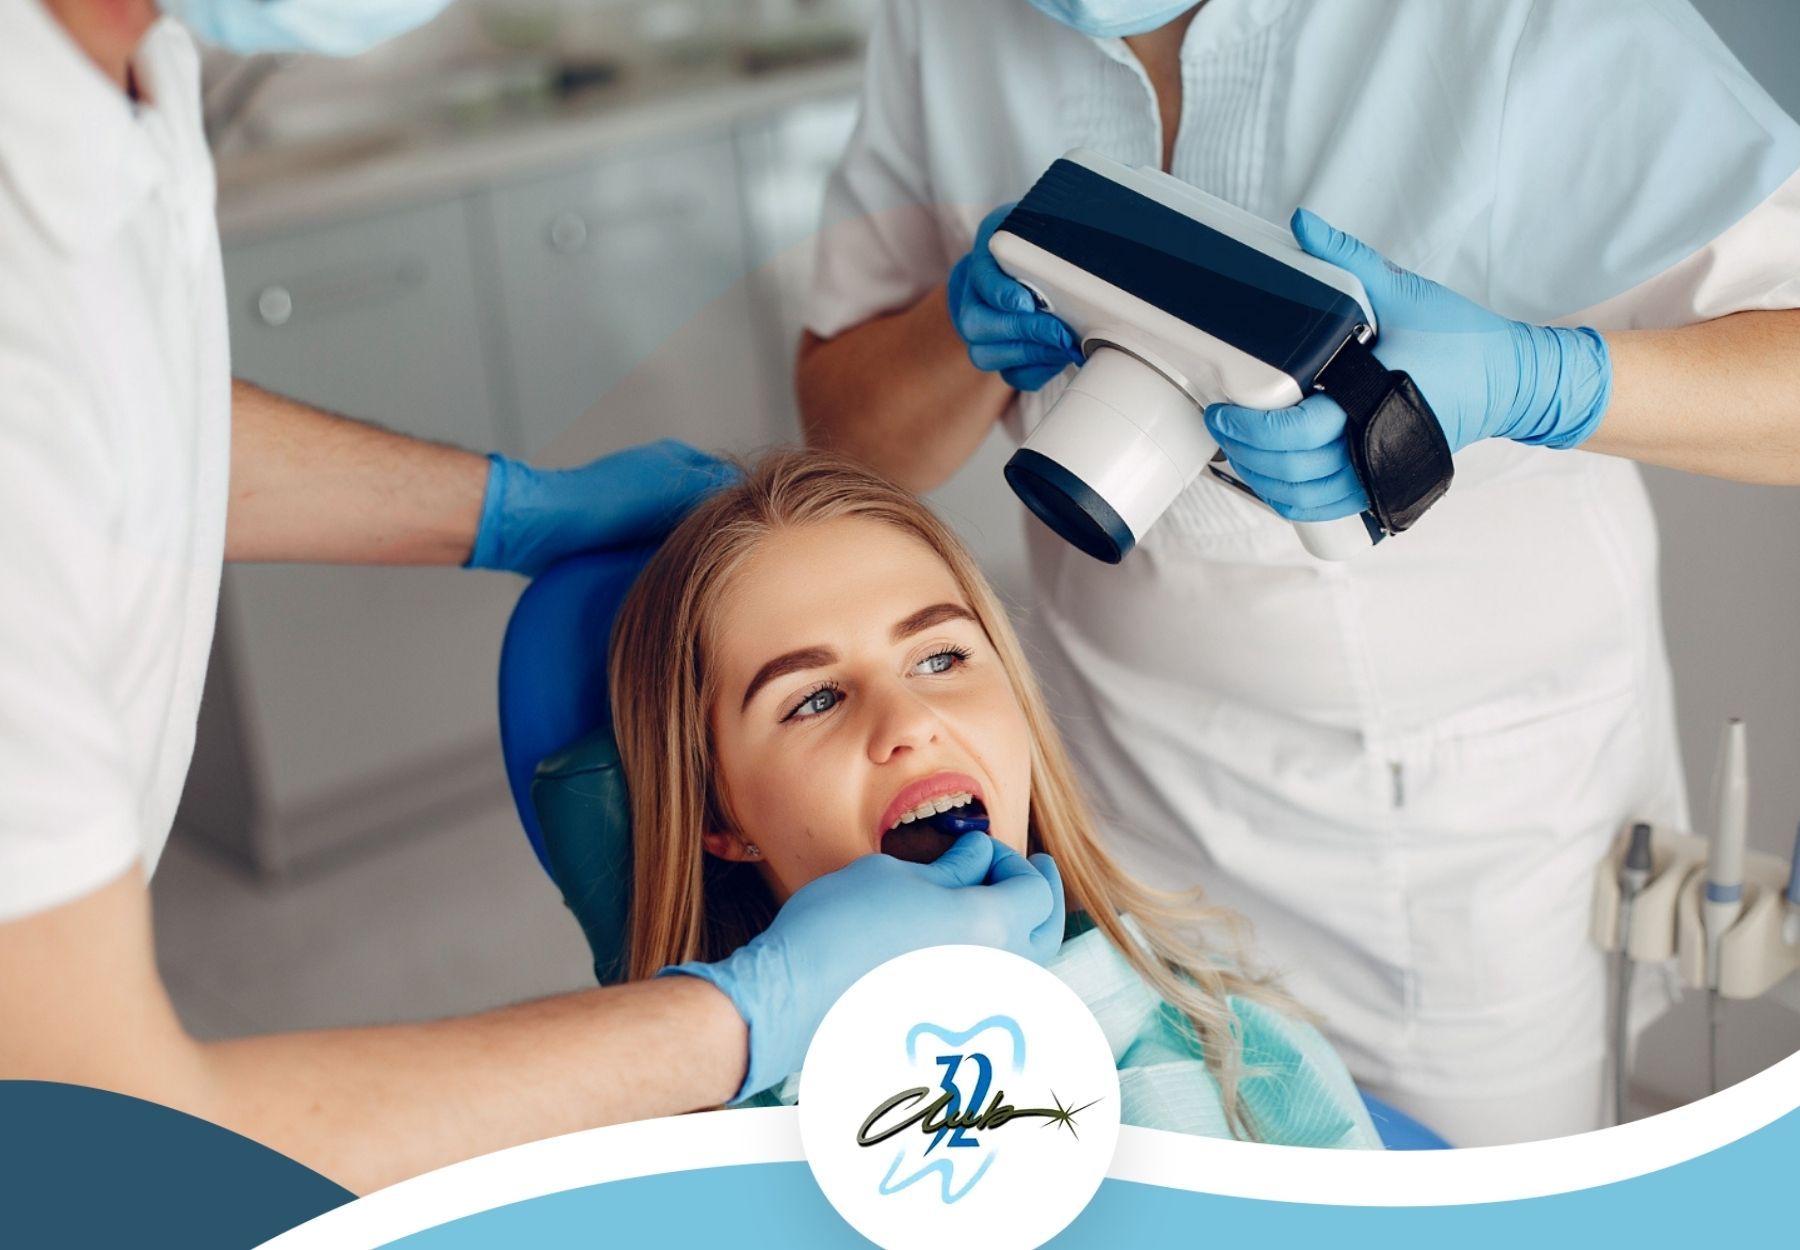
1397 445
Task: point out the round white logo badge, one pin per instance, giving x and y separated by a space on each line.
959 1095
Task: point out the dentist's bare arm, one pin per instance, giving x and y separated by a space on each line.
1715 398
307 485
364 1106
899 394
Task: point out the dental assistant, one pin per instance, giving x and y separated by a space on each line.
1402 769
130 467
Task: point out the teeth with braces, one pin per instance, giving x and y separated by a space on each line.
931 807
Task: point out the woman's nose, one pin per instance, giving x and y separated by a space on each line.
900 721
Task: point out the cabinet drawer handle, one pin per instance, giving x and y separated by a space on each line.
568 232
331 291
275 305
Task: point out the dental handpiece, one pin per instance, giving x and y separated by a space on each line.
1790 923
1723 901
1634 875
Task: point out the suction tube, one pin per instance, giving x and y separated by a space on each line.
1119 445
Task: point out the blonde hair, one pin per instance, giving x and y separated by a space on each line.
689 905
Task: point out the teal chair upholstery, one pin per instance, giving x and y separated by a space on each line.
582 806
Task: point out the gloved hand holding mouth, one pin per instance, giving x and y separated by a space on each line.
1485 376
980 892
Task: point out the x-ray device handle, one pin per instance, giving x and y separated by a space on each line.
1397 448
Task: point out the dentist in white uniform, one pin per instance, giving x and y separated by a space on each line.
130 466
1403 769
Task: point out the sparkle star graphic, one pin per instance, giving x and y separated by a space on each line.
1064 1116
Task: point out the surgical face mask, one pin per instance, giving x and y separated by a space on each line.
1108 19
333 27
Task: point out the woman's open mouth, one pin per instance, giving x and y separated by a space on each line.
921 838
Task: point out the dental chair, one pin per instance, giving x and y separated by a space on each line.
566 779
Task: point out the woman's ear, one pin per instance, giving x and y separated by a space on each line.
730 846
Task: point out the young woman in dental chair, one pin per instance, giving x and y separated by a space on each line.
809 668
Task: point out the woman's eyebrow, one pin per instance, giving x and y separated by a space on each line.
819 657
782 665
925 618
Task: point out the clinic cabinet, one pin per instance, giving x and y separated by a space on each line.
558 315
598 271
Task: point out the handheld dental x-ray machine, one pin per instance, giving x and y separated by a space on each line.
1180 300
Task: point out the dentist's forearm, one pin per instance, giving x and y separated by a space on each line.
371 1106
898 393
1717 398
310 486
81 1002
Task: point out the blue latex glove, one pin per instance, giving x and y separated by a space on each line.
531 518
999 320
1484 376
980 892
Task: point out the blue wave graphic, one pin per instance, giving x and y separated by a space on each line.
778 1206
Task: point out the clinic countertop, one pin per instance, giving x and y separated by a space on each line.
277 188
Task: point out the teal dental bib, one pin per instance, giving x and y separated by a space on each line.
1295 1088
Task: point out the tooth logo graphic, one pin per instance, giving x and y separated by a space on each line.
959 1092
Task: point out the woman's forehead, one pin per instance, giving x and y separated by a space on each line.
843 572
837 552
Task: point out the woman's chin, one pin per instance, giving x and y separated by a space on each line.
916 843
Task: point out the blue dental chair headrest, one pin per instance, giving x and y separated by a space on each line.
556 737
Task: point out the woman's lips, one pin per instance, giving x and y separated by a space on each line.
936 786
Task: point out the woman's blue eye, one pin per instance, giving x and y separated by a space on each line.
942 661
821 700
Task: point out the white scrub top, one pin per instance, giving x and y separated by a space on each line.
114 450
1404 769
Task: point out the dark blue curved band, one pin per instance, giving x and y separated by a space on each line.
1069 506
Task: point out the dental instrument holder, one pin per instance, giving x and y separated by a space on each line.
1674 857
1753 957
1179 300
